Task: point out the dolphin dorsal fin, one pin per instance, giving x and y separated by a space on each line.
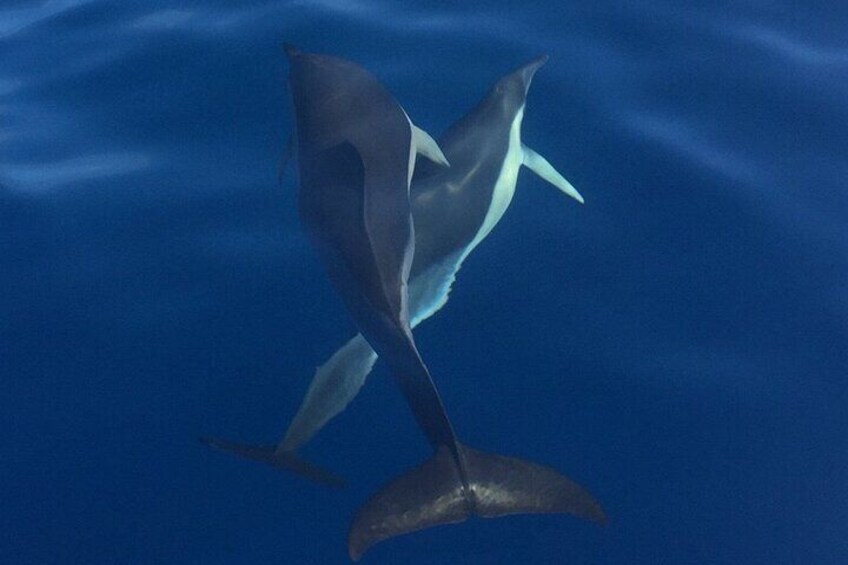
541 167
427 146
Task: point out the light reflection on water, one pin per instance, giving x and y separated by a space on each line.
68 172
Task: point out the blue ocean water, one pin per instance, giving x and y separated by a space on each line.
677 345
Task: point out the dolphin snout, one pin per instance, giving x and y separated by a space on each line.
527 71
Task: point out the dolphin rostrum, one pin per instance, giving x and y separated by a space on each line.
453 210
356 151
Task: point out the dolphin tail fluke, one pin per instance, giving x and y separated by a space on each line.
279 459
433 494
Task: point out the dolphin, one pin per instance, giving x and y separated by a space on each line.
453 210
356 151
343 90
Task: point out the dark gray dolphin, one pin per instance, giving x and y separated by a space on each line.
355 146
453 210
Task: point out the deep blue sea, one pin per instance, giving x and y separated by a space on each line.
678 345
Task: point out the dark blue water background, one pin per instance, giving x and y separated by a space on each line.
678 344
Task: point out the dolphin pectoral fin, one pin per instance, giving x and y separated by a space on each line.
335 384
427 146
279 459
544 169
433 494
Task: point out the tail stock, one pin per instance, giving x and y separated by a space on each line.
434 493
279 459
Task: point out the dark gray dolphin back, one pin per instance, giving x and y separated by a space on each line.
450 205
353 143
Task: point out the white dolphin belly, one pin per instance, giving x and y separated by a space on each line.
428 292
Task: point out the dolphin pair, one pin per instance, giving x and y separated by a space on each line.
453 210
356 150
